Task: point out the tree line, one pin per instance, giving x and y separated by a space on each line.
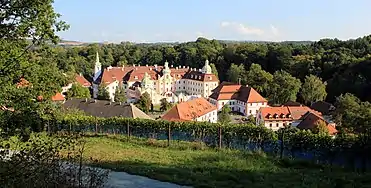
344 66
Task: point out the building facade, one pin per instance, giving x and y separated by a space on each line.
279 117
243 99
176 84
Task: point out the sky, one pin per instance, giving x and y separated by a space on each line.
186 20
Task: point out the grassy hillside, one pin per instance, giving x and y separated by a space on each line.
195 164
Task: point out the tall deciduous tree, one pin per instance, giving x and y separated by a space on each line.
144 103
214 70
283 88
78 91
165 105
313 89
259 79
235 73
224 117
120 95
21 20
102 92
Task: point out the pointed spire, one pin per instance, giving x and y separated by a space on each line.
97 58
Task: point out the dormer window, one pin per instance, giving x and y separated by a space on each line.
191 76
275 116
136 77
210 78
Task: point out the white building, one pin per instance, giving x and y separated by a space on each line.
176 84
278 117
243 99
198 109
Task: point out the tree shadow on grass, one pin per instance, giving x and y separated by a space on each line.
209 171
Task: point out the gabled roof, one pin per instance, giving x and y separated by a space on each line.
323 107
189 110
199 76
58 97
286 112
82 80
311 119
101 108
228 91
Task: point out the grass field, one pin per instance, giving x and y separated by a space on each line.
196 165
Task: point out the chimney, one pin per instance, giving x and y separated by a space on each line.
80 74
123 67
176 68
146 65
155 66
86 99
183 67
110 102
172 66
150 68
133 65
95 100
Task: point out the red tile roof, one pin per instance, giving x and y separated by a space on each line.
81 80
228 91
189 110
131 73
311 119
286 112
58 97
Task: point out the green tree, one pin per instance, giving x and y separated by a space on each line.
235 73
313 89
102 92
78 91
283 88
224 117
144 103
320 127
23 25
120 95
259 79
214 70
165 105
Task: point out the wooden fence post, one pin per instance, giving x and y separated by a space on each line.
96 126
220 137
128 130
169 135
282 144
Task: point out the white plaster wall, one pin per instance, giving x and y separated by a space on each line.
209 117
253 108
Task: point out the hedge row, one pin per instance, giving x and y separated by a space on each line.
341 149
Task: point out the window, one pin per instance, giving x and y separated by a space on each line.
183 87
277 125
250 111
183 82
270 125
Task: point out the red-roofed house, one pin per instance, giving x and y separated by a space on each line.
159 81
58 97
310 120
278 117
80 79
243 99
198 109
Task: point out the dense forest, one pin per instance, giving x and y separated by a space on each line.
344 66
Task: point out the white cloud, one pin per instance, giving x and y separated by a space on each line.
242 29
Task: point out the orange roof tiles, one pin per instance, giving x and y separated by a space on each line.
189 110
58 97
131 73
295 112
229 91
276 113
81 80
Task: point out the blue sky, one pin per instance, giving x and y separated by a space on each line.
185 20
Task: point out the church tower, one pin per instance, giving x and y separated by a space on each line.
97 68
207 69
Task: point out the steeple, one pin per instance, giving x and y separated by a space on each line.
97 68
